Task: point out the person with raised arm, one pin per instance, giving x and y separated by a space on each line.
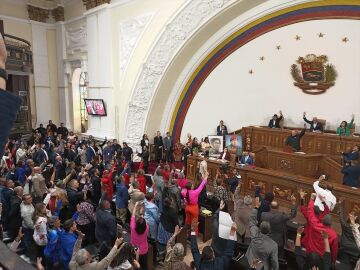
191 197
315 126
275 120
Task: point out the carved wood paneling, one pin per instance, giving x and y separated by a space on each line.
58 14
37 13
89 4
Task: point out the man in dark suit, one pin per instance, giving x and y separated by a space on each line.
315 126
278 222
168 147
352 157
275 121
225 155
186 153
52 127
221 129
63 131
246 158
105 230
294 139
90 152
14 217
40 156
158 142
6 194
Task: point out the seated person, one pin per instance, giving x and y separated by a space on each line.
294 139
344 128
315 126
246 158
225 155
352 157
275 121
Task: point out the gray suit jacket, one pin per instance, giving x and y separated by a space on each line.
277 222
261 247
167 144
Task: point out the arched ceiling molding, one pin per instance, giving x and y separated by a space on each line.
192 16
316 10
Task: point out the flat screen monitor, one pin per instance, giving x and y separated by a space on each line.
95 107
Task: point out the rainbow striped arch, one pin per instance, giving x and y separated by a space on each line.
336 9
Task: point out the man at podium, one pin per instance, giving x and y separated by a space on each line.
293 140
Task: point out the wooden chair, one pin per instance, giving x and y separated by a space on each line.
323 123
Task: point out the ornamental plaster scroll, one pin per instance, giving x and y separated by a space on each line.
76 38
131 32
190 18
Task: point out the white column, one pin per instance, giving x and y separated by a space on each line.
41 73
63 84
99 40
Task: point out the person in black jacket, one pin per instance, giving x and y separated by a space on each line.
74 196
348 250
294 139
158 143
6 194
95 186
315 126
14 217
275 120
207 259
105 230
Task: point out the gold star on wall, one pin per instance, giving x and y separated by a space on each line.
320 35
278 47
297 37
345 39
262 58
251 72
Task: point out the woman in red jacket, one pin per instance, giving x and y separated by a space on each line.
106 181
141 180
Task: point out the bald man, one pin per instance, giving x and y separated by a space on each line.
278 220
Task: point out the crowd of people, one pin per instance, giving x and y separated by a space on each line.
61 193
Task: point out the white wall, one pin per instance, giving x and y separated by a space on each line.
240 99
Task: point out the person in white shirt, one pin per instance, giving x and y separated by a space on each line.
324 190
20 153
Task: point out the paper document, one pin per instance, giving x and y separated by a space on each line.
225 223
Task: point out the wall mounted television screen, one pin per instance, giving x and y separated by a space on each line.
95 107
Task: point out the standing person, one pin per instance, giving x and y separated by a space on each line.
141 180
278 223
27 211
107 184
6 194
127 155
139 231
63 131
294 139
90 152
52 249
122 199
74 196
145 142
135 195
145 157
108 153
40 228
261 247
96 186
86 221
158 142
105 230
186 153
221 129
168 144
38 185
315 126
151 215
14 218
275 120
191 197
67 242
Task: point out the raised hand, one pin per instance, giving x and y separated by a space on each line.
119 241
300 229
222 205
177 230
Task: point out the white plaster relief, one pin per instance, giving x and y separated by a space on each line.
131 31
191 17
76 38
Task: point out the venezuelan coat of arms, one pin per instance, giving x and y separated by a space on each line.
313 74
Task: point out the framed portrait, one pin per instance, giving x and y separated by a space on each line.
216 144
234 143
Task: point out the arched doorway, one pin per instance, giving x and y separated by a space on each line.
79 93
